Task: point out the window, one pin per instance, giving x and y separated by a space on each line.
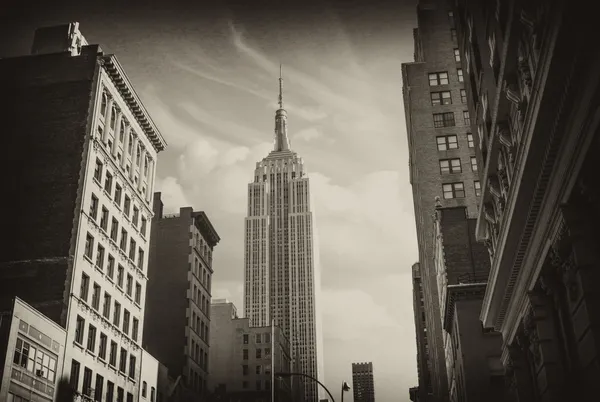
114 230
131 366
136 216
141 258
267 337
127 205
113 117
267 352
120 394
453 190
258 385
143 226
470 140
108 182
79 328
152 393
104 219
91 340
259 369
103 104
129 287
98 171
138 292
126 318
102 348
113 354
110 269
98 388
120 276
144 389
244 384
463 96
451 18
245 354
123 244
457 55
100 257
440 78
135 329
443 119
258 338
118 192
259 353
467 118
448 166
110 391
94 207
473 163
132 247
106 309
89 246
245 339
477 186
96 297
74 378
459 72
84 287
35 360
441 98
117 314
123 361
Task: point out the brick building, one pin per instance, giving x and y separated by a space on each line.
178 303
423 362
82 161
245 359
363 383
472 353
442 160
534 85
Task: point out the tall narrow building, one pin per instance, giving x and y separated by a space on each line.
442 156
281 278
363 383
76 237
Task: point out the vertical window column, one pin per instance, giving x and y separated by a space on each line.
150 183
107 117
141 176
133 157
125 147
116 131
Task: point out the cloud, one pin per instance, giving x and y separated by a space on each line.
172 196
308 134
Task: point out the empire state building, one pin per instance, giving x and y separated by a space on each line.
281 278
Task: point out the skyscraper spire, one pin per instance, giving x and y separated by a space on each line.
282 142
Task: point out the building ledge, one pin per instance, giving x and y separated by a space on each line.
460 292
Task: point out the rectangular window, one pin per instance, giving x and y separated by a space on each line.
132 367
259 369
453 34
96 297
127 206
135 329
245 369
245 354
457 55
126 318
114 230
91 340
259 353
110 391
463 96
120 276
129 287
141 258
467 118
103 344
100 257
98 388
459 72
267 337
473 164
84 287
118 192
104 219
443 119
120 394
470 140
110 269
267 352
106 309
144 389
245 338
138 292
98 171
108 182
74 379
136 216
152 394
143 226
453 190
123 361
451 19
132 249
440 78
117 314
477 186
448 166
113 354
94 207
258 338
441 98
89 246
123 244
79 329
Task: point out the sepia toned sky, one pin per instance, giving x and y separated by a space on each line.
207 72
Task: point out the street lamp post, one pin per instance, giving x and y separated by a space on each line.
283 375
345 387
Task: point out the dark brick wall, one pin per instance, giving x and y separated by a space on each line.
166 301
463 255
45 115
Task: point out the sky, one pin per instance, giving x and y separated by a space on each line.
208 75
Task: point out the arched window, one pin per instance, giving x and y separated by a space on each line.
138 155
122 130
113 118
130 146
103 104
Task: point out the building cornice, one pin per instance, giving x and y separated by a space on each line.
206 228
116 73
460 292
